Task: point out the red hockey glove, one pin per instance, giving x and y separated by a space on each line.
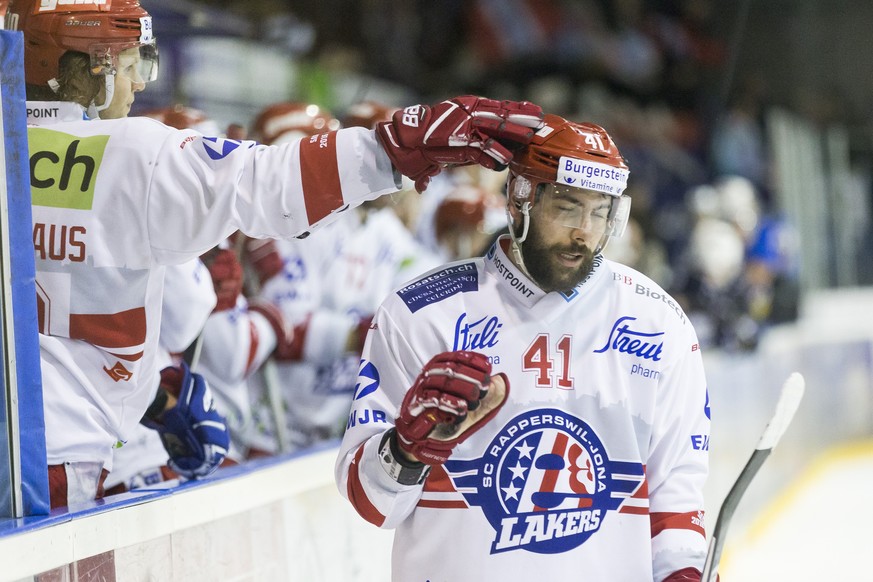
685 575
453 397
281 327
263 255
421 139
227 276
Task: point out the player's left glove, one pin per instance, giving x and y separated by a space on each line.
193 432
421 140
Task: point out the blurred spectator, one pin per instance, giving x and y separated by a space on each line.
738 144
771 272
710 287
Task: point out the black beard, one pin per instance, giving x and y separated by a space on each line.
543 267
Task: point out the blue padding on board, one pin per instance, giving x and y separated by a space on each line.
34 477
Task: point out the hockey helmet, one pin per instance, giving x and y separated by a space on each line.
100 29
367 114
566 157
183 117
289 121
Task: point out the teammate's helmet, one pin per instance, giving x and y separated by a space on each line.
99 28
565 154
367 114
284 122
466 219
182 117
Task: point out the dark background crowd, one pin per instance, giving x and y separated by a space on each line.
688 88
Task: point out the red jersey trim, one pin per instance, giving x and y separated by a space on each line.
358 496
438 481
113 330
322 191
441 504
691 520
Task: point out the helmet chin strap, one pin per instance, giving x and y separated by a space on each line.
94 109
515 246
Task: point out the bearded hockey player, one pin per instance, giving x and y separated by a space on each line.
540 413
116 199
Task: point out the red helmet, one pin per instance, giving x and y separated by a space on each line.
99 28
286 121
182 117
462 209
367 114
565 154
540 161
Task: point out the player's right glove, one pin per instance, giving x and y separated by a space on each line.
453 397
421 140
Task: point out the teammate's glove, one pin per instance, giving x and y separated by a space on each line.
263 256
285 345
453 397
193 432
421 140
686 575
227 276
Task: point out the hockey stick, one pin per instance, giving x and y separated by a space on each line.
267 371
789 400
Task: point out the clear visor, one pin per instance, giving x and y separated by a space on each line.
599 214
138 62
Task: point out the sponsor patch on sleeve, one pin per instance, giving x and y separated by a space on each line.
437 286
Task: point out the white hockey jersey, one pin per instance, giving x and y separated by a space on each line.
330 282
188 300
593 469
114 201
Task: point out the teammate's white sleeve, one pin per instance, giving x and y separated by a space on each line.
265 191
189 298
388 369
677 465
235 342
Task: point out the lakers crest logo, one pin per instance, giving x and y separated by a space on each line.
546 483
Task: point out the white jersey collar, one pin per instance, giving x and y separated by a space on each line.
498 263
50 112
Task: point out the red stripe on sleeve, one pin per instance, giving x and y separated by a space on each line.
319 172
110 330
692 520
358 496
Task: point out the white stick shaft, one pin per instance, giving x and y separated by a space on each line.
789 400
